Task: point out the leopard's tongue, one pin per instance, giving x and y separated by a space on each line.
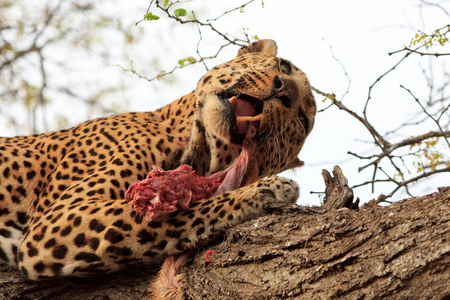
244 169
245 113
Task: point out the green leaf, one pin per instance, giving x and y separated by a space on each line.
189 60
181 12
150 17
166 2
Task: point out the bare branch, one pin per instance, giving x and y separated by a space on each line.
414 179
409 50
430 116
378 138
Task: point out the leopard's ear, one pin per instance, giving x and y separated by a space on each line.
267 47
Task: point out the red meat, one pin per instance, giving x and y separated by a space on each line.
166 191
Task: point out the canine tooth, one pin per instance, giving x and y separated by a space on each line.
233 100
240 119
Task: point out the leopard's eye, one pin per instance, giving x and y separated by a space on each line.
285 68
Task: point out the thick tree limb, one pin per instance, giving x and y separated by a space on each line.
395 252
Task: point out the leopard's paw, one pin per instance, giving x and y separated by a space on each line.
278 189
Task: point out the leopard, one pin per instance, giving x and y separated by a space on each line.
62 207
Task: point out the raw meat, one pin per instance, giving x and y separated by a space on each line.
166 191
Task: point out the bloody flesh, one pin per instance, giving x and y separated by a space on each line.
166 191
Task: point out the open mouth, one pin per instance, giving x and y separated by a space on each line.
246 110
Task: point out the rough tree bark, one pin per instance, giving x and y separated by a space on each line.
336 251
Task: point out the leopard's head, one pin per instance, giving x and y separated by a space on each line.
258 92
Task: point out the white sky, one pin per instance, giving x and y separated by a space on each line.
361 33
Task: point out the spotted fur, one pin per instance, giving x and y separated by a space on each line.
62 208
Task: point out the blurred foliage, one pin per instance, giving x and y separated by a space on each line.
48 49
438 37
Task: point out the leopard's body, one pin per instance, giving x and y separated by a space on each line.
62 211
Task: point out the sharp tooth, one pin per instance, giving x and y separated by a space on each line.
240 119
233 100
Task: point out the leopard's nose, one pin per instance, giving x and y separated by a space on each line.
279 85
279 90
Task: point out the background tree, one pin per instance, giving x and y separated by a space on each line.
46 51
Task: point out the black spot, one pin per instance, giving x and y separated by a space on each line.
113 236
96 226
50 243
31 250
66 231
145 236
217 208
138 219
176 223
57 218
109 137
60 252
94 211
31 175
12 224
206 79
39 267
15 199
6 173
197 221
77 221
154 224
205 210
4 211
118 211
36 237
5 233
94 243
174 233
161 245
200 231
109 211
80 240
87 257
